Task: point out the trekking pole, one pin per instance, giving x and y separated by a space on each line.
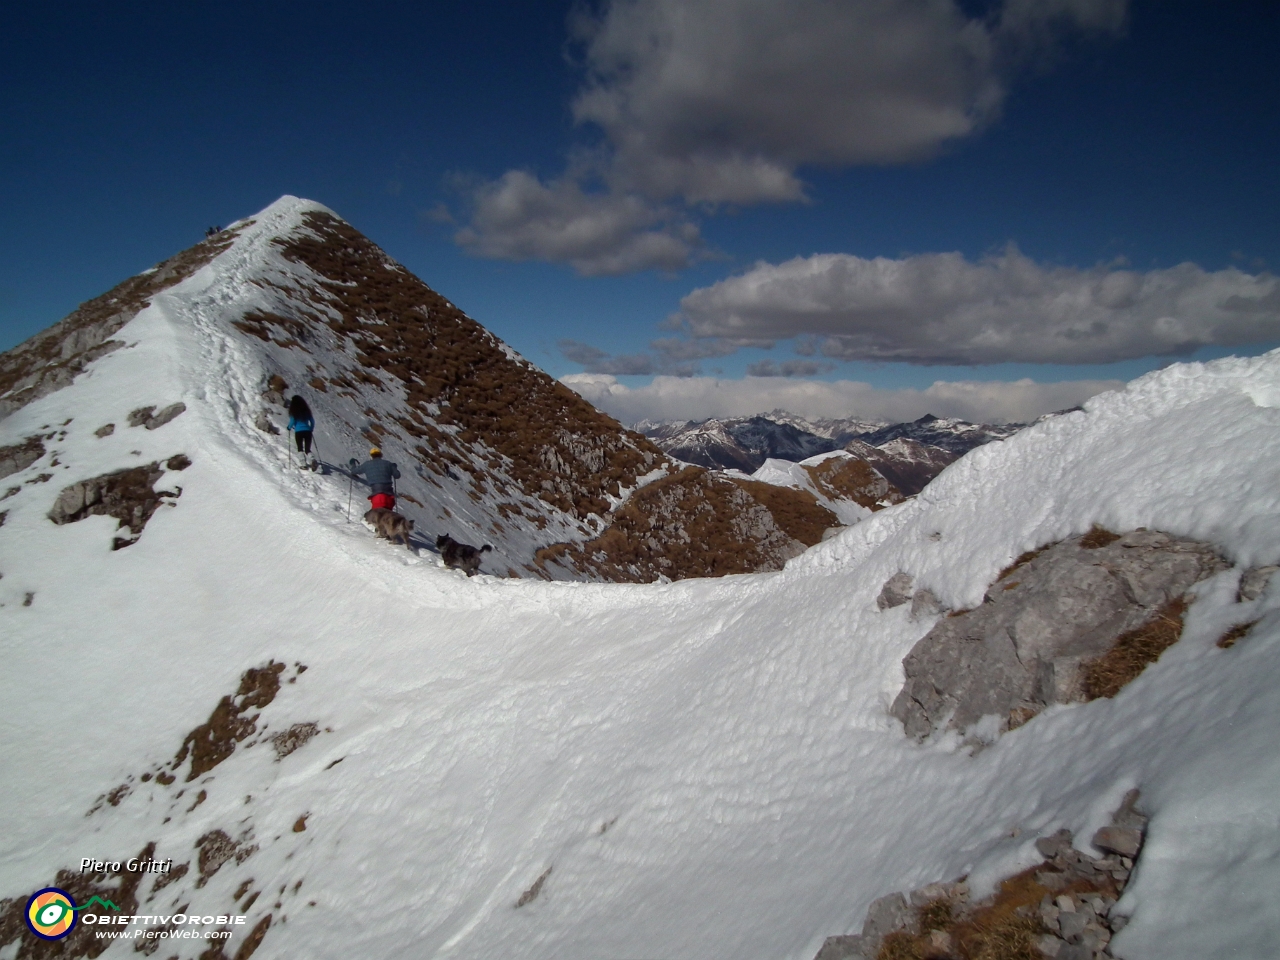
288 444
350 487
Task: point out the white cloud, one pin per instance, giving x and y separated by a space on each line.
723 101
942 308
696 398
518 217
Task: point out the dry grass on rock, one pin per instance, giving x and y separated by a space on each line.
1134 651
697 524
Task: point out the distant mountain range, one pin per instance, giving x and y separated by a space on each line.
745 443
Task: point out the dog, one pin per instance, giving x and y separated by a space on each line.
390 525
460 556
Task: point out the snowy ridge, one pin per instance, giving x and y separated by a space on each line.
707 768
259 311
786 473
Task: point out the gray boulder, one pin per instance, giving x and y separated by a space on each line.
147 417
1024 647
1254 583
896 591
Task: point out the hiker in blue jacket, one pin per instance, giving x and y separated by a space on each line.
302 423
380 474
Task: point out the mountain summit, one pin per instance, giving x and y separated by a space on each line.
492 451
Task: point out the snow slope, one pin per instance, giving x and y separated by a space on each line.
707 768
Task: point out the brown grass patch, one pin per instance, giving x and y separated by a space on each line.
1098 537
1228 639
797 512
553 444
1023 559
1004 928
1133 651
215 740
697 524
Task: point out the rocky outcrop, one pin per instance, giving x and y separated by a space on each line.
149 418
19 456
1061 908
128 495
1041 626
53 358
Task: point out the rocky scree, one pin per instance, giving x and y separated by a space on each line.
1061 908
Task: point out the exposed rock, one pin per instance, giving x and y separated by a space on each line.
905 463
925 605
1125 841
106 430
53 358
532 893
1054 845
1024 647
274 394
20 456
127 495
1252 585
147 417
263 423
895 592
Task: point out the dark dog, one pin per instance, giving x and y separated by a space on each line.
390 525
460 556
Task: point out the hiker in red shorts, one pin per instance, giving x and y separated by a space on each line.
381 475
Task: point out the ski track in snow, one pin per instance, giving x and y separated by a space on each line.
730 736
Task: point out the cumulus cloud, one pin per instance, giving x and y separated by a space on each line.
518 217
723 101
720 101
941 308
696 398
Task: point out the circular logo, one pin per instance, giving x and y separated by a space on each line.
51 913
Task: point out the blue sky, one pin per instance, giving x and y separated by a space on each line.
879 207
